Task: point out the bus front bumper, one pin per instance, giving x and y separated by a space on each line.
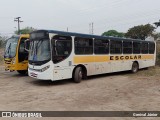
46 75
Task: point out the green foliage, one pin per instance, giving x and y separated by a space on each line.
156 36
140 32
113 33
157 24
25 30
2 41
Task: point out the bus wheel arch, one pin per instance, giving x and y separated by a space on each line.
79 73
135 67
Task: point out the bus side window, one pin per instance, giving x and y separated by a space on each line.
127 47
116 47
101 46
151 48
83 46
144 48
136 47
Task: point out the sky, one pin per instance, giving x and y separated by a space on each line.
76 15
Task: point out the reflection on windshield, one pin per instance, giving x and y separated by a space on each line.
11 46
39 50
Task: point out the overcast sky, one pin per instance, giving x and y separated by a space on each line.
77 14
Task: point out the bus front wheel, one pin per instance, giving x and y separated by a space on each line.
22 72
135 67
78 75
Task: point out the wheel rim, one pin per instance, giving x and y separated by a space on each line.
80 75
134 68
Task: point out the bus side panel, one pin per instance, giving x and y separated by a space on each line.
147 61
59 74
120 66
63 70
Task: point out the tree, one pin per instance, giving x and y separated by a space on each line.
25 30
113 33
157 24
156 35
3 41
140 32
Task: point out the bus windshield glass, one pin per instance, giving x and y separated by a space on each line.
40 50
10 50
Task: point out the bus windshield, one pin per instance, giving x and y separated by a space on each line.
10 50
40 50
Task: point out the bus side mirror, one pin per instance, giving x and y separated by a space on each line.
27 43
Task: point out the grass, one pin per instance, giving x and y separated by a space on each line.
148 72
152 71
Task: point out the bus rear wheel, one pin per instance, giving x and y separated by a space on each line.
78 75
135 67
22 72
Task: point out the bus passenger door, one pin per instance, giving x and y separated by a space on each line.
22 53
61 52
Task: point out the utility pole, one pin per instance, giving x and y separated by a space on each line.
91 28
17 19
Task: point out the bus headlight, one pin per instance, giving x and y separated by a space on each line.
45 68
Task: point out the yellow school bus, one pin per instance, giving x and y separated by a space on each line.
15 55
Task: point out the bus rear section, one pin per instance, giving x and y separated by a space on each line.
15 55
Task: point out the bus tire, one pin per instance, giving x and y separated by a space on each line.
22 72
135 67
78 75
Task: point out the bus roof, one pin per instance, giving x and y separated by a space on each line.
88 35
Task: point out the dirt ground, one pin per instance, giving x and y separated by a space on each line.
111 92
